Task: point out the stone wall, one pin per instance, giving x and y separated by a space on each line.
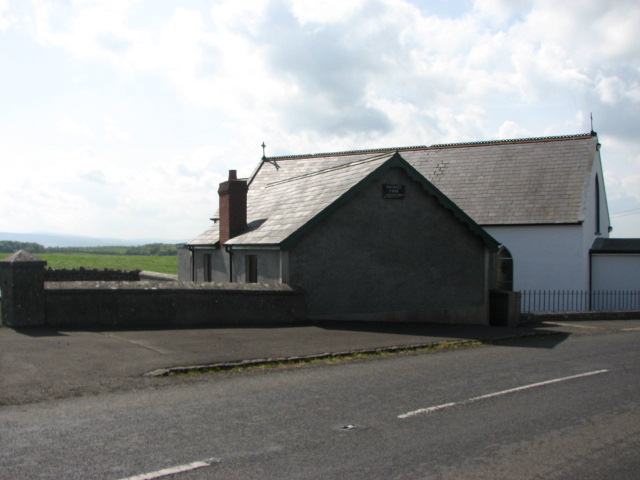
28 301
87 274
528 318
149 304
22 296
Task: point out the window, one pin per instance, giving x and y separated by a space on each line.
207 267
251 268
505 270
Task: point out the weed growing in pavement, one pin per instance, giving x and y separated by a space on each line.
324 358
329 358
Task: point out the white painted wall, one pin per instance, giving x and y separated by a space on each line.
616 271
546 257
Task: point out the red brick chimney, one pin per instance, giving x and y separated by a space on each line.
233 207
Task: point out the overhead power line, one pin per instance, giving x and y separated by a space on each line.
626 213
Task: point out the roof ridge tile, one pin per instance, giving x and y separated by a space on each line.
551 138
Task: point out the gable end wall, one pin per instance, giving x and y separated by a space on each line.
401 259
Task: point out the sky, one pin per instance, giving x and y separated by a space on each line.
119 118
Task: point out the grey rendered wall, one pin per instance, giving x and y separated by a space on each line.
269 270
219 265
269 265
184 265
407 259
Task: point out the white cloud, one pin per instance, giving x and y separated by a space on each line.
312 11
613 89
279 61
113 131
285 59
67 125
511 129
499 12
623 192
305 76
6 18
96 176
85 29
624 184
631 185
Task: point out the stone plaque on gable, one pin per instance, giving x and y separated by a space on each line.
392 191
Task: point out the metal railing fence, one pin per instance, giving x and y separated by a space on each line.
578 300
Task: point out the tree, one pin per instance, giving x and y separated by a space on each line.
10 246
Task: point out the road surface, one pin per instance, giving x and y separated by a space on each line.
541 408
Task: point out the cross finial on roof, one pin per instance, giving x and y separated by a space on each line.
264 157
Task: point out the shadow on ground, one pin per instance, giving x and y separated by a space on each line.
526 336
39 332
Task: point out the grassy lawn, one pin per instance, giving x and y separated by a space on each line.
160 264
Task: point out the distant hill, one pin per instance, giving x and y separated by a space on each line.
56 240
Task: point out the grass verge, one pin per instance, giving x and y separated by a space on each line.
334 357
151 263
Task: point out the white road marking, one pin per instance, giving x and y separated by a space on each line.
173 470
631 329
573 325
496 394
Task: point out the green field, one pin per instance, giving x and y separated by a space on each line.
161 264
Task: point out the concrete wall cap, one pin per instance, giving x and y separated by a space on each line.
24 259
122 286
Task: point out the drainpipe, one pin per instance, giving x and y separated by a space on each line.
229 250
590 280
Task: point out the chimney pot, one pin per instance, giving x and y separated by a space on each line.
233 175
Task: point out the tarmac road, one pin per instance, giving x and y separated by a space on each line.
42 364
541 407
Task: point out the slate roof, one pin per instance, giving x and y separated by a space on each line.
507 182
279 212
209 237
277 209
533 181
616 245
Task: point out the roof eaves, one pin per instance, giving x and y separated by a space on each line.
203 245
531 224
253 245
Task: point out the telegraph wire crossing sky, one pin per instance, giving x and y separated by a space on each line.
119 118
